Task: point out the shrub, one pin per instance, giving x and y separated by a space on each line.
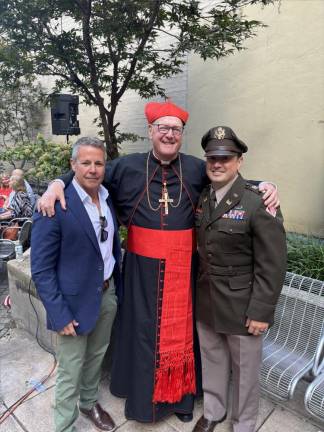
47 159
305 255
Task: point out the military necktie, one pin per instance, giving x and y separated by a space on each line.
213 200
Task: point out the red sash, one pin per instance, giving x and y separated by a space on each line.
174 365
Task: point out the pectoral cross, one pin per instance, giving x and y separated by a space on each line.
165 200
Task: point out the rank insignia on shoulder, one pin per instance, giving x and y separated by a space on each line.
228 202
253 188
205 199
234 214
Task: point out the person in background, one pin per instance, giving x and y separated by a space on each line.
20 205
5 190
242 265
20 173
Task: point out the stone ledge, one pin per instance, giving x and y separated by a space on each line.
27 309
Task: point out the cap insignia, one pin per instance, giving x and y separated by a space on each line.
219 133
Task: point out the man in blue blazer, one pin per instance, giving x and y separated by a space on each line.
75 261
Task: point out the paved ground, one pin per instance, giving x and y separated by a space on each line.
23 363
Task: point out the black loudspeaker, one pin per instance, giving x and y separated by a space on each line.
64 113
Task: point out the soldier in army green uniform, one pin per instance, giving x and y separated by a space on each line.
242 252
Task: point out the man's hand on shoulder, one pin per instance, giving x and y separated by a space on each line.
69 330
46 203
270 195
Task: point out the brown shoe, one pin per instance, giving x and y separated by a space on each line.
204 425
99 417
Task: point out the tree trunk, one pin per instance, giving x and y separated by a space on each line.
108 130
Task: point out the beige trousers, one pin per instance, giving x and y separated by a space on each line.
222 354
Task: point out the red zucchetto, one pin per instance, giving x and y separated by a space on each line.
155 110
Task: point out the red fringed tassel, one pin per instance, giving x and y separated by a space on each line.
173 381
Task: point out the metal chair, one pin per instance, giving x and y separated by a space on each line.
7 250
293 345
314 397
25 233
23 230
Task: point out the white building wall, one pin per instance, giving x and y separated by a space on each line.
272 95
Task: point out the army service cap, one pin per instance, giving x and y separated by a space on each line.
222 141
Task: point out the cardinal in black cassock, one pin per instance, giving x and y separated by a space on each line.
155 195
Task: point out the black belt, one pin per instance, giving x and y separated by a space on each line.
106 284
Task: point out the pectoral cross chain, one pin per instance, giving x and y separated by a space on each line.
165 200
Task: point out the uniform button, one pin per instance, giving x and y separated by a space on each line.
209 254
231 230
208 241
100 268
99 289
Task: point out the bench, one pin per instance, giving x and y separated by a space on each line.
293 345
314 397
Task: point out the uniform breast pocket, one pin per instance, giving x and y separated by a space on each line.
232 235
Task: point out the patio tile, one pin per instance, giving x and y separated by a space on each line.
281 421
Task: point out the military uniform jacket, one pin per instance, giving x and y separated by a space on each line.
242 250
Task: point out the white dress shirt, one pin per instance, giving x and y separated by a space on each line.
94 215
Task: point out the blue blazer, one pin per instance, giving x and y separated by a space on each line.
67 266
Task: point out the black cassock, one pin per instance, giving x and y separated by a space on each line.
135 342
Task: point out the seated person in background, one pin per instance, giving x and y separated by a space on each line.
20 205
5 190
20 173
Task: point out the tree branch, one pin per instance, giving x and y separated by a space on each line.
140 48
73 76
167 33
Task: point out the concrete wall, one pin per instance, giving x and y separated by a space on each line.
27 309
272 95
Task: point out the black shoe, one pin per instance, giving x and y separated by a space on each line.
204 425
185 418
